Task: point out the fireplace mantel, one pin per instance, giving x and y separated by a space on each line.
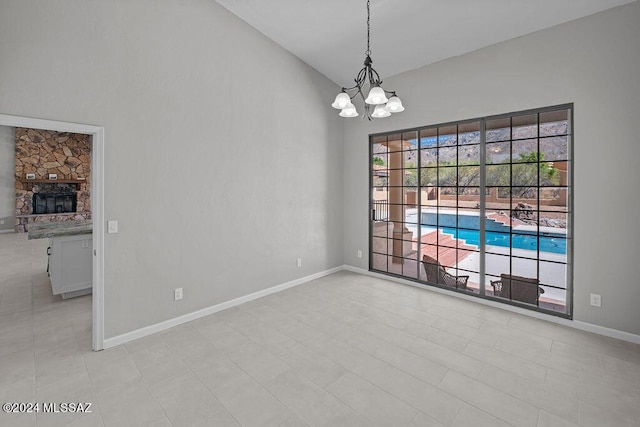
29 182
54 181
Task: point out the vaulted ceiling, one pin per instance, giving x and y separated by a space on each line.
330 35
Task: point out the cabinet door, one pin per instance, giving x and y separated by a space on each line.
71 264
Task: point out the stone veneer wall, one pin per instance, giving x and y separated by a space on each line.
44 152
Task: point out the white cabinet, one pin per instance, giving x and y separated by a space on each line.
71 265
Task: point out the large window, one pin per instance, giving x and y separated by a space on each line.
480 206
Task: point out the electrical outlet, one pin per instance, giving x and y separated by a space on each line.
359 253
596 300
85 243
1 221
177 294
299 262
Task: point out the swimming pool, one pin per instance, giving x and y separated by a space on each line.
554 243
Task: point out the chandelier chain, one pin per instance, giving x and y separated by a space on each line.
368 52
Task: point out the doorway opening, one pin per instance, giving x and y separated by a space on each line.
96 134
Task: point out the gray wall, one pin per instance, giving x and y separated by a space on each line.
238 133
7 178
593 62
223 157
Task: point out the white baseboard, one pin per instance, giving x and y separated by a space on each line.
583 326
607 332
158 327
7 231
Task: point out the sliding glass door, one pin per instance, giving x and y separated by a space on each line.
394 199
480 206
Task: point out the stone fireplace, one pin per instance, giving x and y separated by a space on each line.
53 171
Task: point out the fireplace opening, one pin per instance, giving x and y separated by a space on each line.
51 203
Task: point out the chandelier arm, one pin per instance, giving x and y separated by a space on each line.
349 90
361 77
366 113
362 96
357 88
374 81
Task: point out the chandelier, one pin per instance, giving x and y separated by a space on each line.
377 99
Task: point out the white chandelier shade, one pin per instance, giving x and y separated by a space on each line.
349 111
394 105
342 100
376 96
380 112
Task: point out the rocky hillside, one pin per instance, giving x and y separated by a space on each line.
553 143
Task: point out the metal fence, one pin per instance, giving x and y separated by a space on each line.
380 210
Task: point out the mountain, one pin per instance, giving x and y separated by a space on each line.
553 142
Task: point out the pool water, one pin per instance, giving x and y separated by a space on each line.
554 243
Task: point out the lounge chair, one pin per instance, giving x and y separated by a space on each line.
517 288
438 275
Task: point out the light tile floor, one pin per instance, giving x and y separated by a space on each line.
344 350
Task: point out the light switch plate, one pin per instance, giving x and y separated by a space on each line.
112 227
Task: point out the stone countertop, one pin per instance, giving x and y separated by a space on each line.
45 230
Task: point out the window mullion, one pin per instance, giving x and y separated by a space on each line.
483 201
